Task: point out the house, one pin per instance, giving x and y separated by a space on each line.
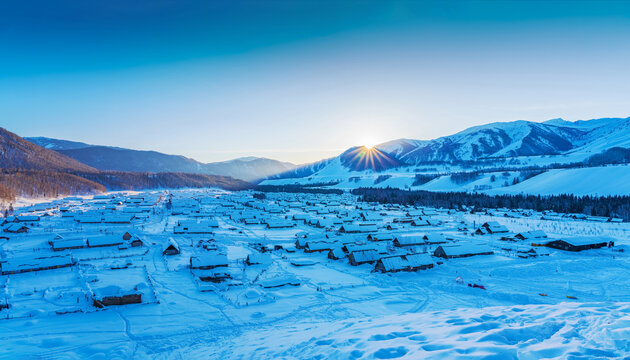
171 248
300 243
118 218
528 235
419 262
103 241
136 242
365 216
463 250
494 227
257 258
392 264
317 246
363 257
208 261
27 264
279 282
380 237
300 217
193 227
398 263
16 228
336 253
114 295
88 218
356 228
420 222
409 240
279 223
581 243
393 227
434 239
68 244
26 218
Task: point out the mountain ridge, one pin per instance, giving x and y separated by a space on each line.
109 158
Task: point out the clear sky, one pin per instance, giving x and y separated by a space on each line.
303 80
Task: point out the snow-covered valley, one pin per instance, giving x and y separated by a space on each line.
220 275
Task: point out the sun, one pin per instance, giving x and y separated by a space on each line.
369 143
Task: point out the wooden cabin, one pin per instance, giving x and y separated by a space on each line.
409 240
461 251
171 248
493 227
363 257
528 235
16 228
208 261
399 263
581 243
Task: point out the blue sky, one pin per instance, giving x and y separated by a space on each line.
302 80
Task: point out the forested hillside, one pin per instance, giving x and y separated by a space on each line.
31 171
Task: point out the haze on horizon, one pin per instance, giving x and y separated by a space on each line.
302 81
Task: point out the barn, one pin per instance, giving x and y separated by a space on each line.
460 251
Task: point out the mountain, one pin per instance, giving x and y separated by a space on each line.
362 158
514 139
17 153
249 168
119 159
32 171
482 157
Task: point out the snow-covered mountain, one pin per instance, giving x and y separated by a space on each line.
513 139
508 145
120 159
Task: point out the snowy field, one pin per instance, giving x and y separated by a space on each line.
219 275
595 181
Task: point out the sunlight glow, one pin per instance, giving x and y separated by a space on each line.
369 143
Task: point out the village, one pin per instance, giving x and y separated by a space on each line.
165 264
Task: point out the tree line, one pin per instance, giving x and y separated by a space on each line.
607 206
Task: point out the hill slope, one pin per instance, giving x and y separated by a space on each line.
17 153
32 171
119 159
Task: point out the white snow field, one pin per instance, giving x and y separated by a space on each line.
209 274
598 181
594 181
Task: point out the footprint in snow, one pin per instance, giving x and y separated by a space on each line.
391 353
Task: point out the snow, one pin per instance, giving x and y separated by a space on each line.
295 305
594 181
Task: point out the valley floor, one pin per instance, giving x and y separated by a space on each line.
564 305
